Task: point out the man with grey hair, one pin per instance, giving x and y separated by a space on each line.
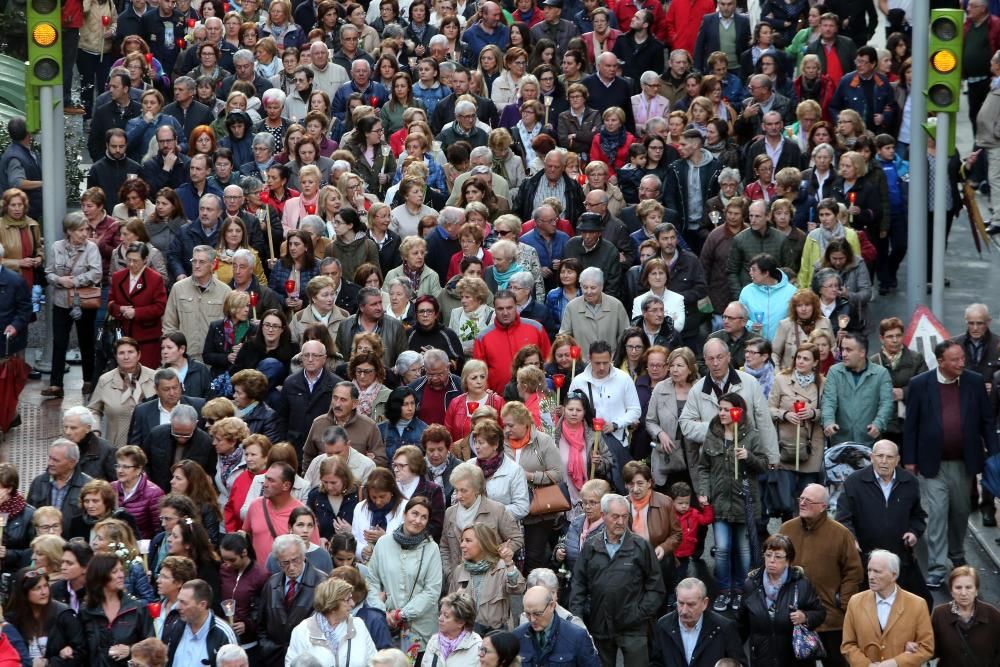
444 111
606 89
436 388
734 333
615 566
337 442
188 111
360 82
287 598
350 48
546 579
328 76
60 484
201 231
762 99
179 439
243 68
551 181
545 633
307 394
244 280
232 655
481 156
464 128
522 284
150 414
595 315
202 295
548 242
442 243
97 456
650 187
693 634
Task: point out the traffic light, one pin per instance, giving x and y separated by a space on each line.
44 49
944 76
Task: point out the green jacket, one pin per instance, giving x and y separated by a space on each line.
854 405
748 244
716 474
798 46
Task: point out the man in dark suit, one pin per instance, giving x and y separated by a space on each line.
189 112
606 89
789 153
287 598
948 432
717 638
762 99
153 413
182 433
444 111
709 39
547 639
307 394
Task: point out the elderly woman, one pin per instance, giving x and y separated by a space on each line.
776 598
99 501
20 236
455 644
506 87
225 337
964 628
854 277
511 165
332 635
249 390
804 316
505 265
74 264
405 218
508 228
121 389
473 506
134 230
474 315
470 239
458 417
137 494
414 252
673 458
367 372
46 553
488 574
406 568
322 309
137 301
307 203
800 383
306 153
649 103
597 174
506 481
859 194
834 305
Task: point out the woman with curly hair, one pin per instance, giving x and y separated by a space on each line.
133 197
99 502
115 537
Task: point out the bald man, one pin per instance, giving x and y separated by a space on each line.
826 550
547 638
881 507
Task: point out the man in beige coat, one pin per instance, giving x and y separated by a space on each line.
595 315
196 301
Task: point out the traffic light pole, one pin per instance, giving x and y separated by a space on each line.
940 212
916 260
53 144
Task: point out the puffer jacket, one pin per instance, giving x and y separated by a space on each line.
92 31
716 473
771 636
131 625
143 505
17 536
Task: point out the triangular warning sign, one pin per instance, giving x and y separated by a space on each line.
924 332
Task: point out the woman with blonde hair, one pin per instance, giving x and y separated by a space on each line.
487 573
490 67
506 87
474 315
414 253
461 409
332 635
700 112
46 555
506 162
674 458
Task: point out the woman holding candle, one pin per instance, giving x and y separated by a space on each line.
307 202
794 402
374 161
51 629
175 571
575 438
858 194
834 305
458 417
294 270
732 457
112 621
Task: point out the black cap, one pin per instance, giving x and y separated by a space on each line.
590 222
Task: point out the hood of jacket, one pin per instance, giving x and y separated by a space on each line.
768 289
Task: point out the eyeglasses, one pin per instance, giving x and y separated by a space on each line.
772 555
364 371
293 561
809 503
313 355
425 311
634 348
124 466
272 326
180 436
400 466
48 527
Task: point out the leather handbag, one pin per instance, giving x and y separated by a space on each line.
90 297
548 499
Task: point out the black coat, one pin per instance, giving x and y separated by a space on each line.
15 309
63 630
867 199
875 523
264 420
109 175
146 417
81 526
130 626
708 37
198 380
97 457
152 172
639 58
298 407
276 622
106 117
791 156
160 445
17 536
538 312
388 254
771 637
440 338
40 494
347 297
216 352
718 639
444 112
214 640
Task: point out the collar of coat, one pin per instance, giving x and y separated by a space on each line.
733 380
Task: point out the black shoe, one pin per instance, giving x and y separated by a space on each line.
34 374
883 290
735 601
993 230
721 603
989 518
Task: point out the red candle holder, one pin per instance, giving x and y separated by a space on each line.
581 178
310 209
473 406
289 287
154 609
736 414
574 351
215 264
253 299
373 100
180 43
105 21
265 196
190 23
598 424
149 58
799 406
852 197
558 380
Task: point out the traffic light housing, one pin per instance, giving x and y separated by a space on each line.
44 47
944 74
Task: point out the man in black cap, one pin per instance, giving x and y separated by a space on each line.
555 27
592 250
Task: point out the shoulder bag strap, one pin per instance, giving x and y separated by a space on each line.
969 653
267 519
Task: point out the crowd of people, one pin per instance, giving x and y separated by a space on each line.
398 320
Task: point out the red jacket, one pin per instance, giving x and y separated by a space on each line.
615 162
690 522
8 654
683 20
150 302
455 265
457 419
626 9
72 14
497 345
994 30
826 88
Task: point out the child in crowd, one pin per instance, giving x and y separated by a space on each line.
897 179
691 519
630 174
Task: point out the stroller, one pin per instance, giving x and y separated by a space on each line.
839 462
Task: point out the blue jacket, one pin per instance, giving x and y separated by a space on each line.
895 172
192 234
138 134
850 95
393 440
568 645
375 622
280 274
189 198
556 302
339 105
475 38
767 304
15 309
545 255
431 96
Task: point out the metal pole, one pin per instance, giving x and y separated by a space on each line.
53 193
916 260
940 212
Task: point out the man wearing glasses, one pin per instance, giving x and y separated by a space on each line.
287 599
547 637
828 552
179 439
150 414
307 394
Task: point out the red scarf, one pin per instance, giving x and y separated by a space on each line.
490 466
14 505
576 467
534 405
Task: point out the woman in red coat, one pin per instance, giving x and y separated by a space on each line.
610 145
138 299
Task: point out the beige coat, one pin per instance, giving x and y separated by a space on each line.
190 311
784 392
492 514
541 463
110 401
788 338
865 642
305 318
492 596
429 285
662 415
579 322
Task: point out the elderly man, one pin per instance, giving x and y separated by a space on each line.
827 551
273 509
442 242
594 316
328 76
363 432
762 99
201 231
548 242
436 388
886 625
243 68
444 111
336 442
232 655
244 280
263 146
545 578
783 151
595 252
60 484
307 394
350 50
694 635
361 72
948 434
97 457
481 156
551 181
189 112
703 400
522 285
766 296
196 640
464 128
169 167
547 638
509 332
179 439
606 89
196 301
151 414
615 231
881 507
857 397
734 332
371 318
615 566
287 599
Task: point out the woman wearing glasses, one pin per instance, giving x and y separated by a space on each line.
428 332
367 372
51 629
137 495
174 573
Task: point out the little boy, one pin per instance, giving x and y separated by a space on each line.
630 174
691 519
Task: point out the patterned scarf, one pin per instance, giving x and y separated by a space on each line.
764 376
406 541
804 380
437 472
13 505
478 567
228 462
234 335
490 466
366 398
333 635
612 141
448 646
575 467
412 276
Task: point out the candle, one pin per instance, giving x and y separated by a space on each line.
373 100
798 406
253 303
190 23
598 427
154 609
558 380
574 351
473 406
215 264
851 197
149 58
265 196
105 21
581 178
736 414
310 209
290 288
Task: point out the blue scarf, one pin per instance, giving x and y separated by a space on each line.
611 142
503 277
764 376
